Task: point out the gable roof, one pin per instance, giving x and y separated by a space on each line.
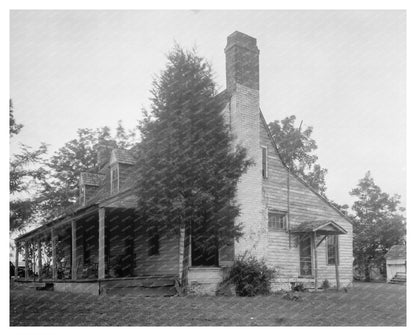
327 227
396 252
91 179
122 156
293 174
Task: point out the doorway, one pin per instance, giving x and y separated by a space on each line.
305 255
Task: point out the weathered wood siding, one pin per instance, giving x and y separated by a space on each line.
164 263
304 205
125 172
127 241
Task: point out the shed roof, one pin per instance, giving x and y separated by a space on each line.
325 227
396 252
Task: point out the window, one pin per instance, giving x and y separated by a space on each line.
277 220
153 243
114 179
82 197
332 249
264 162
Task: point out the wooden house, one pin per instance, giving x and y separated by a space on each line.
285 221
396 264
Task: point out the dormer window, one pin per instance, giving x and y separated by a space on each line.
82 197
114 179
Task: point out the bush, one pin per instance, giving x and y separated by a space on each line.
251 277
325 284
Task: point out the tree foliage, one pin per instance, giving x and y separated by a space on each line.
187 170
59 188
296 148
14 127
378 224
25 173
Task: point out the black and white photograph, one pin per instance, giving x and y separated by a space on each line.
207 167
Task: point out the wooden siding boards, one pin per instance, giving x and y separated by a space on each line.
304 205
164 263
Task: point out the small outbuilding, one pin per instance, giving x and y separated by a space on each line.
396 264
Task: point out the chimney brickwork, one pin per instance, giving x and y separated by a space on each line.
242 71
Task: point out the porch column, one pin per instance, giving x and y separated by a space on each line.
16 260
39 259
54 268
101 243
181 252
337 262
316 261
74 250
26 260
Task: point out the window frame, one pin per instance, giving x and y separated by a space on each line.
82 194
282 215
264 162
333 260
114 188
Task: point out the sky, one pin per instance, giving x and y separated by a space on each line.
342 72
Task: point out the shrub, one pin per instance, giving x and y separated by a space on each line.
298 287
251 276
325 284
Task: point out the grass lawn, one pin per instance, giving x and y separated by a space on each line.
367 304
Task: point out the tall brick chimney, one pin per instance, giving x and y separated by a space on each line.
242 61
242 72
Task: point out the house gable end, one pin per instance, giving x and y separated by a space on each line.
273 153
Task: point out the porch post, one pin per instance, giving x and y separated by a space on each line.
54 268
316 261
336 261
34 259
101 243
26 260
39 260
16 260
73 250
181 251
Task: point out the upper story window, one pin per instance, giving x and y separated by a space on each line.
264 163
277 220
82 197
332 249
114 177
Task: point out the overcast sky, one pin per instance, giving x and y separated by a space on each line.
342 72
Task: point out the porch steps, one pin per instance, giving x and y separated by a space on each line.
147 286
399 278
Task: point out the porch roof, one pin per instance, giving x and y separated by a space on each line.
322 227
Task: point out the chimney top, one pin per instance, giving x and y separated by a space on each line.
241 61
241 40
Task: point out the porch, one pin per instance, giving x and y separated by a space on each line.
96 244
144 285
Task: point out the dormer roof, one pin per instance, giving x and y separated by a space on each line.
122 156
91 179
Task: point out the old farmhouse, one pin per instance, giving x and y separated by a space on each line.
99 245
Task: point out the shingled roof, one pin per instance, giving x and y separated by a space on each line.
91 179
324 226
124 156
396 252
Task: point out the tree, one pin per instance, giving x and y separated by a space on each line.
187 169
60 185
14 126
378 224
24 174
296 149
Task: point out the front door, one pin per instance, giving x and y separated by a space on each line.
305 255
